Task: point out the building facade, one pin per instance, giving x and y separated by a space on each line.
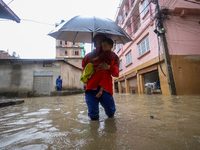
143 61
72 53
37 76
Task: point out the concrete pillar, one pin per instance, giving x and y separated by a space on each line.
140 82
119 86
127 86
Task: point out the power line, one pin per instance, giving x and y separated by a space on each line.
192 2
185 44
30 21
10 2
38 22
187 30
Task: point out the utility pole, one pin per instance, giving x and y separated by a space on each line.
170 76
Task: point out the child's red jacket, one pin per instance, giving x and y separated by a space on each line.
100 77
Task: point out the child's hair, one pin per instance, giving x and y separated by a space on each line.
109 41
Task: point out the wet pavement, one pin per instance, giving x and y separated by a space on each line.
62 123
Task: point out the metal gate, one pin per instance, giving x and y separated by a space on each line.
42 83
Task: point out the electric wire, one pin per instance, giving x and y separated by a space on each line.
37 22
192 2
10 2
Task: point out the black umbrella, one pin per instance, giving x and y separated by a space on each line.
81 29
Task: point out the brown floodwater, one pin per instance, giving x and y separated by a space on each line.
62 123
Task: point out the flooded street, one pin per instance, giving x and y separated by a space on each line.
62 123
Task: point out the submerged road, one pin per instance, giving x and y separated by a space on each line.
62 123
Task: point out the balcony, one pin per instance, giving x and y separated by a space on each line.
128 15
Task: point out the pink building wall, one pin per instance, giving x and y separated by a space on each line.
179 3
183 35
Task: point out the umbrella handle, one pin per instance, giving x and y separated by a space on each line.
91 45
92 41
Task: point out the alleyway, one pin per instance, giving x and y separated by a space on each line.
62 123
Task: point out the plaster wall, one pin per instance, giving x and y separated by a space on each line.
182 34
178 3
75 61
71 77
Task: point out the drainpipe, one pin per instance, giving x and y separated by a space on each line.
132 27
130 6
150 11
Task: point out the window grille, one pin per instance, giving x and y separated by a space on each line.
129 58
144 46
145 7
120 65
118 47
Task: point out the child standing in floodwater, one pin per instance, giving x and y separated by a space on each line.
107 55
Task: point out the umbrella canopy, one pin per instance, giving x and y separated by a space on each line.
81 29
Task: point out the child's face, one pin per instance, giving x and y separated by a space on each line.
106 46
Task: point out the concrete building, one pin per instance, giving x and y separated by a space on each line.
37 76
72 53
142 60
6 55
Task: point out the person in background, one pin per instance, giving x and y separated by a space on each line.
59 83
158 84
102 70
151 85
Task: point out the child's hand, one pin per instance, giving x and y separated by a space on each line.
98 94
103 66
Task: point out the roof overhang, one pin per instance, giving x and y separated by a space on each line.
7 13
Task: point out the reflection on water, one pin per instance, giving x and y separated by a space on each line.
62 123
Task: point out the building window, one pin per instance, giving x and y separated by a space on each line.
76 44
47 64
128 58
63 42
63 52
118 47
144 46
120 65
75 52
145 6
